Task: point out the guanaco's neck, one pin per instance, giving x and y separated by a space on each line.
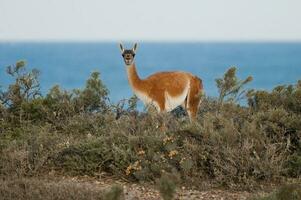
133 77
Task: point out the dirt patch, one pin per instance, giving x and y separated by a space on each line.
86 188
149 193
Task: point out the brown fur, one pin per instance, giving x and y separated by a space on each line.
174 83
194 97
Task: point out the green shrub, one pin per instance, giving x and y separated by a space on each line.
25 89
24 102
167 187
278 113
93 98
115 193
287 192
293 165
286 97
26 151
24 189
230 87
80 132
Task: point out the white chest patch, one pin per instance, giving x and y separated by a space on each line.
146 100
173 102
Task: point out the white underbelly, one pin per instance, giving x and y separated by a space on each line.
146 99
171 102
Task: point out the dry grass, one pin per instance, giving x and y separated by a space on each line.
42 189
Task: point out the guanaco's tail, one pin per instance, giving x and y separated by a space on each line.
201 87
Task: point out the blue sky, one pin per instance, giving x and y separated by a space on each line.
150 20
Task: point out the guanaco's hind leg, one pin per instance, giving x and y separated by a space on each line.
194 97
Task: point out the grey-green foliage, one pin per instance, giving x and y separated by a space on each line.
22 100
167 187
26 88
115 193
79 132
2 108
93 98
279 112
48 189
61 104
287 192
126 106
231 87
132 103
283 96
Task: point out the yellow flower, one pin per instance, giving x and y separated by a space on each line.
167 139
136 166
172 153
141 153
182 160
128 170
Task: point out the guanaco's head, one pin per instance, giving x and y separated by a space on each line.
128 54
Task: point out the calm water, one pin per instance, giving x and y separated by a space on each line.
69 64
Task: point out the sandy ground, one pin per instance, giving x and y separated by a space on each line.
143 191
134 191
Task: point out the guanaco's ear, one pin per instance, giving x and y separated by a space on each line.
135 47
121 48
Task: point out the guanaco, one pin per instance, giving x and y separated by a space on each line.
164 90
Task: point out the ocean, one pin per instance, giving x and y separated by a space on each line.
70 64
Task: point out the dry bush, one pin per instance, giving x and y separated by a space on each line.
114 193
28 151
47 189
225 149
286 192
79 132
167 186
